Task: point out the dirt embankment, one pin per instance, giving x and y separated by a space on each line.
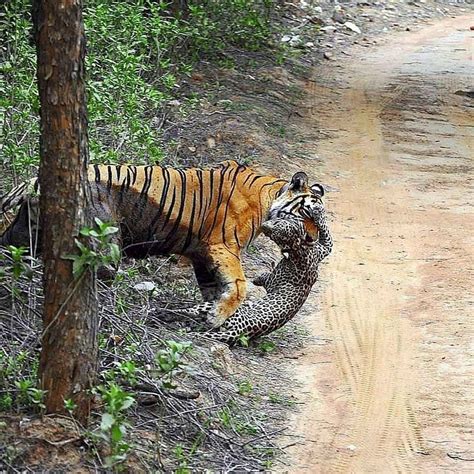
390 385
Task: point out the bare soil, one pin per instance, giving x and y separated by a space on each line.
389 384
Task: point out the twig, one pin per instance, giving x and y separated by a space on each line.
53 443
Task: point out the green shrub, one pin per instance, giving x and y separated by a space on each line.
136 52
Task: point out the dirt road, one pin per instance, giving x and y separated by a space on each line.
389 386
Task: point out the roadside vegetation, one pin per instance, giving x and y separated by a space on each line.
138 54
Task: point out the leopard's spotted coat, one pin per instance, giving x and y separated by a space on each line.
288 285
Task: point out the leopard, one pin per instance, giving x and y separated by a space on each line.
304 242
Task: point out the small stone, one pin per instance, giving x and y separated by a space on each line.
328 56
211 142
291 40
353 27
144 286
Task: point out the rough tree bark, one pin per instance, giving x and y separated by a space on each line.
69 349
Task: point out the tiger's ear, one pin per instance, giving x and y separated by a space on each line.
317 189
299 181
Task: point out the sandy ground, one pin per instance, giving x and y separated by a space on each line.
389 385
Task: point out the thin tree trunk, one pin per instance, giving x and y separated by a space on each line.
69 348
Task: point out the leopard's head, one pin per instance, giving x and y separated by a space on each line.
291 233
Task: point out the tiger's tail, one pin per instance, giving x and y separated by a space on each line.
18 195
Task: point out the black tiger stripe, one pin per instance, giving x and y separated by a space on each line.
109 178
148 171
118 170
97 173
125 186
236 237
170 209
291 205
182 205
97 179
165 174
226 210
219 200
208 204
202 216
272 183
255 178
246 179
201 192
190 233
133 170
252 234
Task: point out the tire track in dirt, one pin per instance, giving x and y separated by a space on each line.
359 413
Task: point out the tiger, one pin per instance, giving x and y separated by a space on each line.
210 215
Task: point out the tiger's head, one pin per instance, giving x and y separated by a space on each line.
297 198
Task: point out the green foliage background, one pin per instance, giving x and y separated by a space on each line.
137 52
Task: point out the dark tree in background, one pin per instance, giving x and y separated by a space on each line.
69 348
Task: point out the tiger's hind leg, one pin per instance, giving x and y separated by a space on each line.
207 279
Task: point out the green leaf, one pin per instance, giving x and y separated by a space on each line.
81 246
117 432
128 402
109 230
115 253
77 267
106 421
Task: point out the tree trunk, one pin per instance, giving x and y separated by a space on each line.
69 348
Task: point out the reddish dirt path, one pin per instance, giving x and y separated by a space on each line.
390 387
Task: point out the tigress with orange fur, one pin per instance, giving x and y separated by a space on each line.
209 215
